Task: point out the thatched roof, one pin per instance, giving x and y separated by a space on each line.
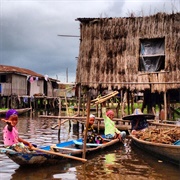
110 51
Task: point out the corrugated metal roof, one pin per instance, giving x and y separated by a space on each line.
14 69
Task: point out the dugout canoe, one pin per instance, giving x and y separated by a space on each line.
165 152
20 111
142 116
70 148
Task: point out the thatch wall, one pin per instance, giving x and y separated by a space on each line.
110 49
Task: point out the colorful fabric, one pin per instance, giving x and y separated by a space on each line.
10 137
92 116
110 136
109 112
19 147
92 137
10 113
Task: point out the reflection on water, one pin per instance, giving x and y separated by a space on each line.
118 162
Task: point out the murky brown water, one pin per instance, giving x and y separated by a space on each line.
120 162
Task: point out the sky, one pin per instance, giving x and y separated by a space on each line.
29 30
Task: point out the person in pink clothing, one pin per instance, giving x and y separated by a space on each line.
10 132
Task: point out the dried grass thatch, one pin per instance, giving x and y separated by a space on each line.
164 136
109 52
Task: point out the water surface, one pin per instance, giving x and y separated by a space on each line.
118 162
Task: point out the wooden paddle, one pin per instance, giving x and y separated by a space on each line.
59 154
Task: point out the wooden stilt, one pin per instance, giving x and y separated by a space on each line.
87 124
165 105
59 121
79 99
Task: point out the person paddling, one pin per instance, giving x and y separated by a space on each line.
10 132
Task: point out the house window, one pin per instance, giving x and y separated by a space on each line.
152 56
2 78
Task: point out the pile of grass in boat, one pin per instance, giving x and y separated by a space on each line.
164 136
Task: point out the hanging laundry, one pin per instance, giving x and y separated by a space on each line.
46 77
31 79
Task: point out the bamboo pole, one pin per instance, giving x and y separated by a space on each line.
165 105
59 154
132 82
87 124
107 95
104 98
79 99
59 120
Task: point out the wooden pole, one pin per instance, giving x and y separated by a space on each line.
59 154
67 110
79 99
87 124
169 115
165 106
59 121
128 96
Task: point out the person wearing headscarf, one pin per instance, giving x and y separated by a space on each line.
111 132
10 132
92 136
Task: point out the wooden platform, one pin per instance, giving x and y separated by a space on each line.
98 124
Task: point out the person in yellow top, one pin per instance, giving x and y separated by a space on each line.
111 132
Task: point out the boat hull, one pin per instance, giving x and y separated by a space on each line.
72 148
34 159
165 152
20 111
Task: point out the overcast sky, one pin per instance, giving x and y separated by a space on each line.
29 30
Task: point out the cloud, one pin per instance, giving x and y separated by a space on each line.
29 30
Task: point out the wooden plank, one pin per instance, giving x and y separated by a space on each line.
59 154
65 148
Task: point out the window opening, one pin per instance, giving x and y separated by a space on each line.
152 56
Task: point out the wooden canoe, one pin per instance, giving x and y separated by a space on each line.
135 116
164 125
20 111
70 148
165 152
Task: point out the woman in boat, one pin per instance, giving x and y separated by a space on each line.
92 136
138 123
111 132
10 132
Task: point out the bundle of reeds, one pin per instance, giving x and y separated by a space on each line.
104 98
162 135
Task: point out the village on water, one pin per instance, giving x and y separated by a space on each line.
127 67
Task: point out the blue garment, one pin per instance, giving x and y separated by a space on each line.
111 136
142 124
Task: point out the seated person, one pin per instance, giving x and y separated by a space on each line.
111 132
138 123
11 135
92 136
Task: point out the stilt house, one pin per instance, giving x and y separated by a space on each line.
16 83
132 54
